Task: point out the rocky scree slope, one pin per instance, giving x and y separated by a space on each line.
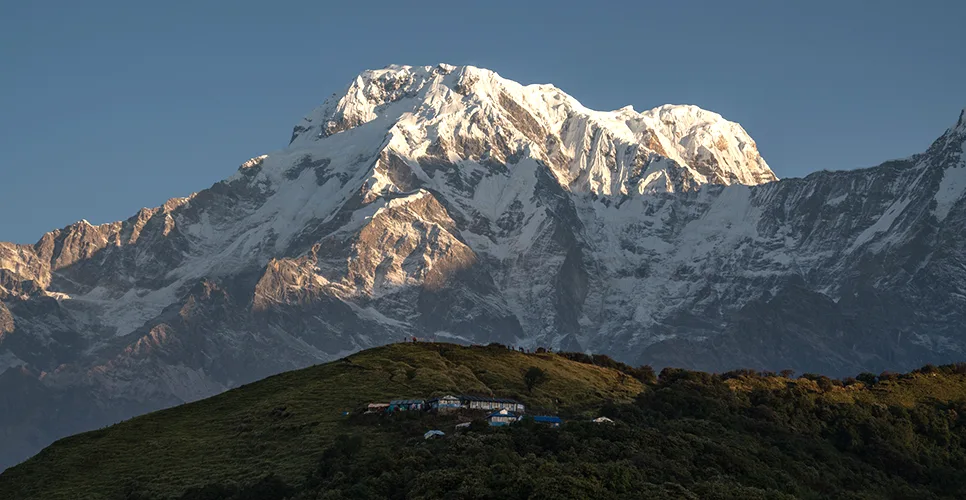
451 203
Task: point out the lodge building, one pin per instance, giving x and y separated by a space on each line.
491 404
450 403
482 403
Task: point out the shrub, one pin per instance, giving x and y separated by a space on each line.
533 377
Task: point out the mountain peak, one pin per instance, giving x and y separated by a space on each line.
459 105
954 140
361 100
447 202
720 149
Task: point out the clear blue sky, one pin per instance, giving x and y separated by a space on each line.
106 107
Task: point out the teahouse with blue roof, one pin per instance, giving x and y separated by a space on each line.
502 417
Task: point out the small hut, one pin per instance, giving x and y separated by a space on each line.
377 407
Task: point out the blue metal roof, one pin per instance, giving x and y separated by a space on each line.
406 401
547 419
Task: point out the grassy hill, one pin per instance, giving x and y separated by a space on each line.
684 434
282 424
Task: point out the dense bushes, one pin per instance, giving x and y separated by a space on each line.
268 488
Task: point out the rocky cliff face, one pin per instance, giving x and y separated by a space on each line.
450 203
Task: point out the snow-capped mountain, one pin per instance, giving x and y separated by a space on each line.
448 202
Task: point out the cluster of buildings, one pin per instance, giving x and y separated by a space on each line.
501 411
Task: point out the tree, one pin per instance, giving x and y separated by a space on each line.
533 377
645 373
825 383
479 425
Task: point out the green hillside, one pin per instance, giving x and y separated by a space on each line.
684 434
283 423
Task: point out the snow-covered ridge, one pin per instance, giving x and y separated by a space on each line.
952 187
606 152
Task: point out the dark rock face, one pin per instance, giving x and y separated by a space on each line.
806 331
6 319
447 203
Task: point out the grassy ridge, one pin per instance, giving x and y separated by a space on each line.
682 435
282 424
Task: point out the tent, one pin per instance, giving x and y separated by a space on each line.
433 433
